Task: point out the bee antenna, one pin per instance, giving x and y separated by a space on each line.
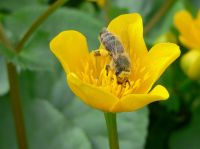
104 29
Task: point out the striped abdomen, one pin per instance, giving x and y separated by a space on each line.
111 42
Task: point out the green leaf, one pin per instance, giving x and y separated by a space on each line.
46 127
192 5
10 5
143 7
169 80
61 95
7 129
35 88
132 126
115 11
62 19
8 54
67 19
36 54
4 85
188 136
87 7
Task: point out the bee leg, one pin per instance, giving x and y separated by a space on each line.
125 82
96 53
107 69
100 52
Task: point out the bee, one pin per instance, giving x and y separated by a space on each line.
120 61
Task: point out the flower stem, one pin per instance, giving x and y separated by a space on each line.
37 23
15 96
12 73
112 130
158 15
105 9
16 106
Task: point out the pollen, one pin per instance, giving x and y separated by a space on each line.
94 73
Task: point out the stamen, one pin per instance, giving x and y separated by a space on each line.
142 70
146 76
119 87
98 75
136 84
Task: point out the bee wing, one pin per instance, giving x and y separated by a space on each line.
118 46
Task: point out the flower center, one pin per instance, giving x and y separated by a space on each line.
107 80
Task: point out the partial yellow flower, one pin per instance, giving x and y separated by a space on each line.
167 37
101 3
88 79
189 29
190 62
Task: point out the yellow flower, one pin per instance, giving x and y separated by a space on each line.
189 29
190 62
167 37
88 79
101 3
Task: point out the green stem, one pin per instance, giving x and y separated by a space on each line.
158 15
15 97
12 73
112 130
106 11
16 106
37 23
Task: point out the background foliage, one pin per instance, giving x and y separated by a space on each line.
54 117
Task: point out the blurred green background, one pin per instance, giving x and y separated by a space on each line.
56 119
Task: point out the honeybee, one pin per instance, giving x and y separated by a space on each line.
120 61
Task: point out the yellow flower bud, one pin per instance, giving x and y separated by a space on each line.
101 3
167 37
190 63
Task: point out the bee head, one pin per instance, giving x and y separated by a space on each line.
104 30
122 76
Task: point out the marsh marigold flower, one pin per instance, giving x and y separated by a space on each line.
189 29
101 3
88 78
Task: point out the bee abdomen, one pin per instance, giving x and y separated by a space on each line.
122 62
110 42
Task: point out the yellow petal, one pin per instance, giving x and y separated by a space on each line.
91 95
188 42
135 101
101 3
157 60
136 40
129 29
190 62
70 47
187 28
182 21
